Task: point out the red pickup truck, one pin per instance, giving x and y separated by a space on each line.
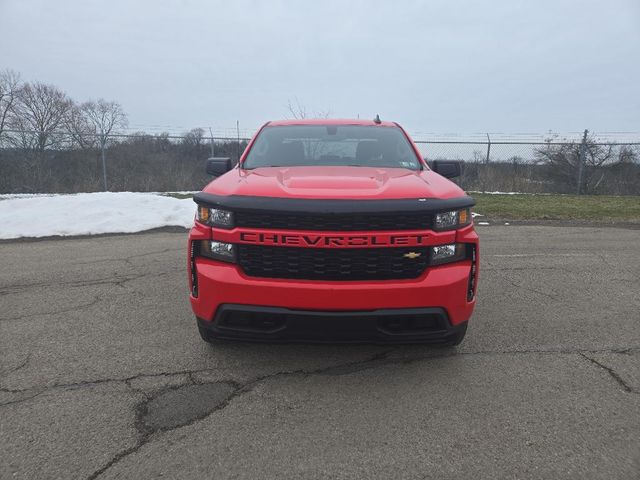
333 230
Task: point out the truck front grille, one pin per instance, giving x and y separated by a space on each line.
332 263
335 221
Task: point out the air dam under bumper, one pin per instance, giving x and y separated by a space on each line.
443 288
283 324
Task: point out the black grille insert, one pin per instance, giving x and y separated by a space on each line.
332 263
249 321
334 221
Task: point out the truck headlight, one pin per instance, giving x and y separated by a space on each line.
452 220
225 252
453 252
215 217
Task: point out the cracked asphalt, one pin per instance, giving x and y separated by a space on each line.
103 374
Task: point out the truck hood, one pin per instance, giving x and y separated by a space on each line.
334 183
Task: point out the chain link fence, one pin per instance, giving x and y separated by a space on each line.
64 163
582 166
132 162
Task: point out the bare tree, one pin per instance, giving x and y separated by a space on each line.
104 119
38 114
81 131
194 138
296 109
300 111
312 147
10 85
628 154
563 162
481 170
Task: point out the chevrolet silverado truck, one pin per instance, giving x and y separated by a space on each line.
333 230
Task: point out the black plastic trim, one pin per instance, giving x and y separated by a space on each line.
193 246
271 204
349 326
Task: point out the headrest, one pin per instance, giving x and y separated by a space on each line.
290 153
367 150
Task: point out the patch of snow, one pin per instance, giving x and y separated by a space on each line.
474 215
512 193
500 193
179 192
34 195
483 223
43 215
25 195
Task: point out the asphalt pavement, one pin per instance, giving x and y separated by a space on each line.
103 373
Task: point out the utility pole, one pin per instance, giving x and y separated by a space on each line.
103 144
488 149
211 132
581 161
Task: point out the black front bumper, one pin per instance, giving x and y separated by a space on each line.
258 323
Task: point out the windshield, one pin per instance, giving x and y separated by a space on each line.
332 145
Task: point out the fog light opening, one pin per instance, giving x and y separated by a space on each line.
449 253
472 276
225 252
194 272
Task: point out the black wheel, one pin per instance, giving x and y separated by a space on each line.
456 338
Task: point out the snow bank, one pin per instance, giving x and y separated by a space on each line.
512 193
91 213
26 195
499 193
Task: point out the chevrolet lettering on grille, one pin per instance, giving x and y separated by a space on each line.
334 241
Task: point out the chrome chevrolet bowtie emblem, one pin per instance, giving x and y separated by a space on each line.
411 255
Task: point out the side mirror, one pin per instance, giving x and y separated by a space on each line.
447 168
218 165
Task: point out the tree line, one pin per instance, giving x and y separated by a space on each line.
559 166
33 114
52 143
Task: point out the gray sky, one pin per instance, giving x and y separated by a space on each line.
434 66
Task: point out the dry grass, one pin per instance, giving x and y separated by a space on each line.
597 208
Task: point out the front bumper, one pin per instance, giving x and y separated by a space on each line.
247 322
443 287
441 291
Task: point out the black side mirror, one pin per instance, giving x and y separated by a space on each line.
447 168
218 165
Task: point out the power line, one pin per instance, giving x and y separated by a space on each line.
231 134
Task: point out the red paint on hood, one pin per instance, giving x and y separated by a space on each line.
334 182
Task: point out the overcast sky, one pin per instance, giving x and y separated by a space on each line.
434 66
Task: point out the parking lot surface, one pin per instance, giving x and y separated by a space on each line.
103 374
